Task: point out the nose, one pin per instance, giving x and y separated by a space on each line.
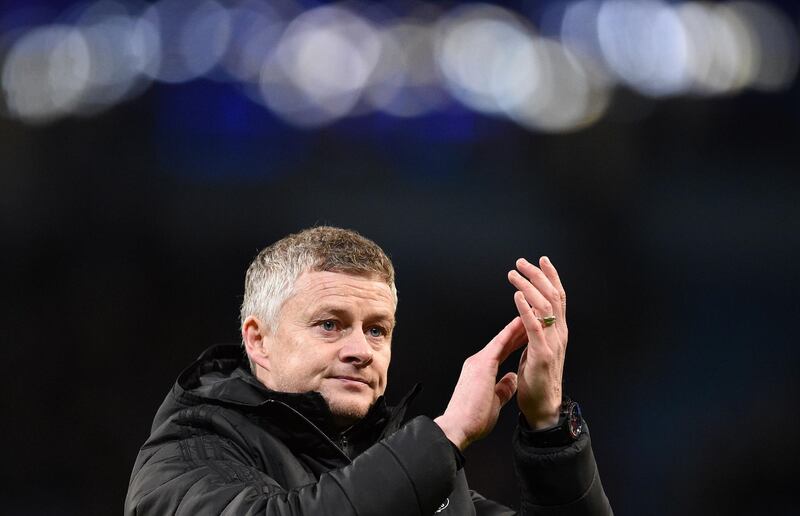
356 350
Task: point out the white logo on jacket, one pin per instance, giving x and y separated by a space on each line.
444 505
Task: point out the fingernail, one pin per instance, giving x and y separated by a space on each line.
546 259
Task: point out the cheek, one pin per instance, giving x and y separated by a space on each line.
301 363
300 374
302 352
309 364
382 364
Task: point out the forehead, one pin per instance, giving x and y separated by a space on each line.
338 288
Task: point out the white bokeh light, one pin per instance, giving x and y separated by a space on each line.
475 45
560 97
579 34
46 72
314 65
644 43
579 27
193 36
720 56
120 56
321 66
406 80
256 29
774 43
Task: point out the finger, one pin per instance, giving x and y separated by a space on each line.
506 387
552 274
523 357
542 284
512 337
532 325
533 296
508 340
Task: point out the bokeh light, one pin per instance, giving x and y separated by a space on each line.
121 56
312 66
720 51
256 28
563 97
474 48
193 37
774 44
406 81
645 44
320 66
46 72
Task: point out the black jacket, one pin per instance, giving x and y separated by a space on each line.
222 443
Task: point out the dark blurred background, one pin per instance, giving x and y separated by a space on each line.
148 151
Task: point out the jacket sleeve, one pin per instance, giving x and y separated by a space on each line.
561 481
409 473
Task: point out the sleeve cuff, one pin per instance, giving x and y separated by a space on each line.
553 475
542 438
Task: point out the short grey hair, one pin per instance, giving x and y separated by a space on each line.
272 274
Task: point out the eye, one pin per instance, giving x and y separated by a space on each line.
376 331
328 325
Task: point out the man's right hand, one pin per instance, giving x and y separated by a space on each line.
478 396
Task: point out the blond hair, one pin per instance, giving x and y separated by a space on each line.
272 274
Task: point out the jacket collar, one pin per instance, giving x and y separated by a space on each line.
221 376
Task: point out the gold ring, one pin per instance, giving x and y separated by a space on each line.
547 321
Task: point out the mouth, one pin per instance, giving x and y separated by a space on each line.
351 380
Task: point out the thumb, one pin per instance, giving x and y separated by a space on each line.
506 387
510 339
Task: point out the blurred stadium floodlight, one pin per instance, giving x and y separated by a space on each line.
406 81
192 35
320 66
314 66
46 72
256 28
774 44
566 97
720 57
475 48
644 43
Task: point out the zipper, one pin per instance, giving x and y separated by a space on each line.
342 440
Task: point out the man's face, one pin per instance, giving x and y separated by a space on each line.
333 336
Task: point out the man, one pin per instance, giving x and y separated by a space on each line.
300 426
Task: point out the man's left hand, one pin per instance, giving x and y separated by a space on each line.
539 296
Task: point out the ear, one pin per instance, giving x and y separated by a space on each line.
255 338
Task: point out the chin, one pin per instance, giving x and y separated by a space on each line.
348 412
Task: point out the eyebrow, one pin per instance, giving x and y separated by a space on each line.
341 312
